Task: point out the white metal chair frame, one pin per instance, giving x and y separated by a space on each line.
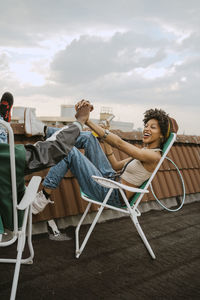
19 234
130 209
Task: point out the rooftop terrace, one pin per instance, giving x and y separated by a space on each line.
115 263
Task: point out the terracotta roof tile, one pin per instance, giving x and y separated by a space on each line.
185 153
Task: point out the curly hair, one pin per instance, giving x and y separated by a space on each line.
161 116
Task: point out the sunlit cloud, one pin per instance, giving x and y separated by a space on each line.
132 55
24 74
153 73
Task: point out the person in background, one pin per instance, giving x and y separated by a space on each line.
6 104
43 154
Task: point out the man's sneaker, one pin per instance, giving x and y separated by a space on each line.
40 203
32 125
6 104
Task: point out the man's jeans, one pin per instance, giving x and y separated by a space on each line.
3 134
94 162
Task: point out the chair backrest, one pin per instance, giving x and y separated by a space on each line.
12 185
166 148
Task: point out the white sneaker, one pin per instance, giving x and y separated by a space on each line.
40 203
32 125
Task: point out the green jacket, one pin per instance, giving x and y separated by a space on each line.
6 214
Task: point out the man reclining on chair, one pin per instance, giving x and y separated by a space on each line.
134 170
31 158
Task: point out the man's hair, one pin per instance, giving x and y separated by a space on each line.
161 116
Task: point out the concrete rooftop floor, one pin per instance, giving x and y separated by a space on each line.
115 263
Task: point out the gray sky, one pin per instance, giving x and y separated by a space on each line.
130 55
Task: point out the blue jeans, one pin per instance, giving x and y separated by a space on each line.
3 134
94 162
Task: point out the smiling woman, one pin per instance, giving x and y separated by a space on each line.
140 164
156 126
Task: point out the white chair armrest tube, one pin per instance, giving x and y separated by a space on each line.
30 193
117 185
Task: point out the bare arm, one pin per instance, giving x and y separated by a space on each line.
116 164
144 155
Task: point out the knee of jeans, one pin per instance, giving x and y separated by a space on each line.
90 136
83 139
72 152
86 134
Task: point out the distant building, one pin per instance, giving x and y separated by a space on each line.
107 113
123 126
67 116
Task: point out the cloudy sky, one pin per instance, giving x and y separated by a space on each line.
130 55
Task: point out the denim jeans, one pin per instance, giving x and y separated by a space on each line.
3 133
94 162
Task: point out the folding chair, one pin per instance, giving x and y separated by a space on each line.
129 208
15 203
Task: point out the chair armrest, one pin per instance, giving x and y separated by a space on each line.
30 193
117 185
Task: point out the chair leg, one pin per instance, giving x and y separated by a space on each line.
28 221
30 245
78 228
142 235
78 253
79 250
17 266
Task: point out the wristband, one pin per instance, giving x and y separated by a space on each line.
110 154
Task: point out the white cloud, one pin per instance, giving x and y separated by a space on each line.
25 75
134 54
152 73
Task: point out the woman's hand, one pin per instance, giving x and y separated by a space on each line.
104 124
